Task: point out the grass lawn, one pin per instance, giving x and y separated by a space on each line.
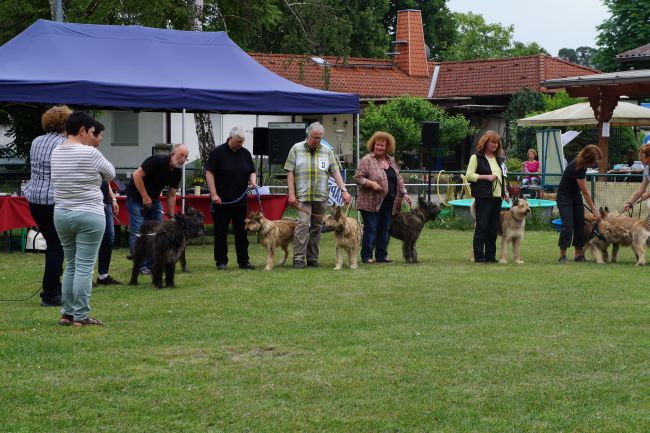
444 345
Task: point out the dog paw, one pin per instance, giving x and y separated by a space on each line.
520 262
268 269
503 261
337 268
354 266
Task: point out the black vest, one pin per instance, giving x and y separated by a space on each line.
483 188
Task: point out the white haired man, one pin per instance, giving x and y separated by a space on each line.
309 166
229 173
147 182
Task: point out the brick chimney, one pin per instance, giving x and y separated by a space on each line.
409 43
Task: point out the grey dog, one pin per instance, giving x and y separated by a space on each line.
407 227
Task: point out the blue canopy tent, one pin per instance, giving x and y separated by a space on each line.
149 69
141 68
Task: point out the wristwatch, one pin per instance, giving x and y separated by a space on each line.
344 190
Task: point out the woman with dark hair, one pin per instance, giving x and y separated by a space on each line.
77 172
379 196
486 173
570 204
40 195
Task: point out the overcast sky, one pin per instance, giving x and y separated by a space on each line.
553 24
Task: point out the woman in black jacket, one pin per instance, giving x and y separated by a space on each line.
487 176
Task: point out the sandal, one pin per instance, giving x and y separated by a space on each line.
66 320
88 322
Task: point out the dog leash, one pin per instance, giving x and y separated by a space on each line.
238 199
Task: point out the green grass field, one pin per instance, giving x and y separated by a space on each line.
442 346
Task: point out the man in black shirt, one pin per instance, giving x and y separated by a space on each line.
229 173
145 187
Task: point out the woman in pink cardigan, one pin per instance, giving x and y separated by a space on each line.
379 196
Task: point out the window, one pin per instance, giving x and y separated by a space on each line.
125 128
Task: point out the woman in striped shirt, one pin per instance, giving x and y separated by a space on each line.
77 173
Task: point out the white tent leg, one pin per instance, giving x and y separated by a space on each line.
183 169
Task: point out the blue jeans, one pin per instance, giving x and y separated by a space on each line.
80 234
137 217
106 247
376 230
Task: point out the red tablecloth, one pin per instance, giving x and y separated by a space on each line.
273 206
14 211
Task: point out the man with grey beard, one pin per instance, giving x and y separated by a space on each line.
147 182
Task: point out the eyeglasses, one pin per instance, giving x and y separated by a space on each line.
315 138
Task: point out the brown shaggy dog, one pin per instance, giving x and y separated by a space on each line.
271 234
512 226
165 244
511 230
347 233
617 230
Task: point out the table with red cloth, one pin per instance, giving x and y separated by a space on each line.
15 214
273 206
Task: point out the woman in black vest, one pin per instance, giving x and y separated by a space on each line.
487 176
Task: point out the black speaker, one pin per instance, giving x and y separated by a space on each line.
260 141
282 136
430 143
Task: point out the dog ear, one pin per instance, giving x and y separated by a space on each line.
337 211
422 202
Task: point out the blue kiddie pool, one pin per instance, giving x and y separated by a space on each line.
461 208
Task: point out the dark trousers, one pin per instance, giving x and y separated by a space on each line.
44 216
488 211
376 233
106 247
573 221
222 215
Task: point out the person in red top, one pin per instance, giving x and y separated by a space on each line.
531 166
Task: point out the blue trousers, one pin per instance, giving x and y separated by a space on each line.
80 234
137 215
376 233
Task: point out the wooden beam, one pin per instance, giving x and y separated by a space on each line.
636 90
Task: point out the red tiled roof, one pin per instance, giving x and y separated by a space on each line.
380 78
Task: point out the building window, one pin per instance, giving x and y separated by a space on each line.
125 128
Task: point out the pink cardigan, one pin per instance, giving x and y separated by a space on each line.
370 169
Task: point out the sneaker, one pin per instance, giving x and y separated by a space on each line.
129 257
367 261
313 263
298 264
580 259
221 267
108 281
55 302
145 271
384 260
562 260
248 266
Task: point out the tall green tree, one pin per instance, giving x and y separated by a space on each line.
477 39
403 118
627 27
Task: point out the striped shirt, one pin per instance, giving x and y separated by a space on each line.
77 173
311 171
40 190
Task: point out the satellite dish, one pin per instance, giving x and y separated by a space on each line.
427 51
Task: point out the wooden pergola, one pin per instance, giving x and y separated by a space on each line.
603 92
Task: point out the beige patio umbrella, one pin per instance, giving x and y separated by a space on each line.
625 114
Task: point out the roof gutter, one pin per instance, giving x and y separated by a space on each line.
434 80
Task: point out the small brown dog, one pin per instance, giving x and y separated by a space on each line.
618 230
272 234
512 228
347 233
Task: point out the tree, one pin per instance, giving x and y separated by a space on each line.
568 54
625 29
477 39
403 118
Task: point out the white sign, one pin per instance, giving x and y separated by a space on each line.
605 129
